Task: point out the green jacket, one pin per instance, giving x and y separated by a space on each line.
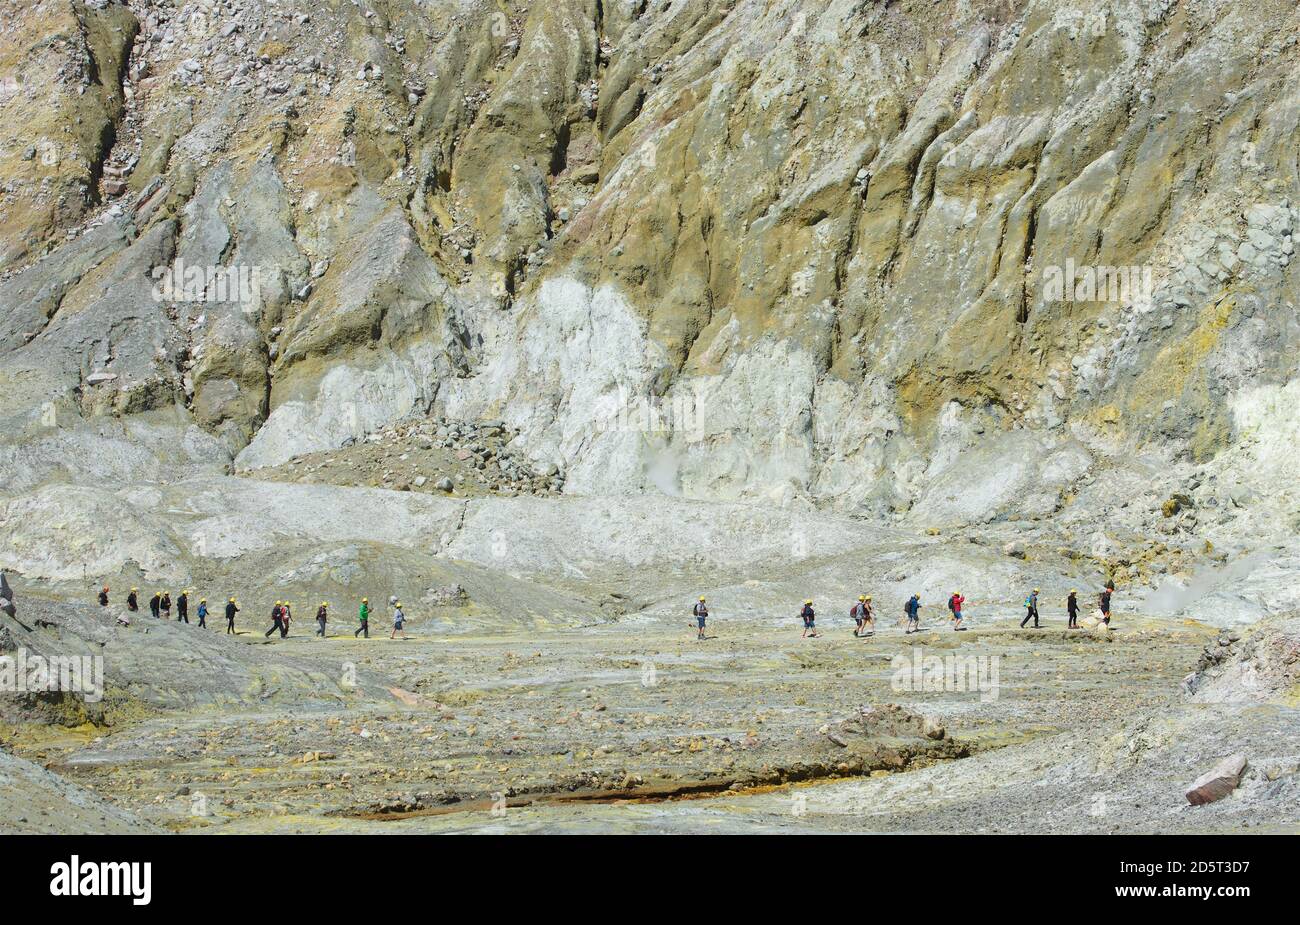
363 614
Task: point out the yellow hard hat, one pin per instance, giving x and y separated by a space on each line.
868 597
809 601
135 589
701 598
203 600
862 597
1035 590
1074 590
365 600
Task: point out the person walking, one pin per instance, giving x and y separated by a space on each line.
398 619
276 625
809 621
1031 609
103 596
955 604
232 608
322 615
701 612
913 610
855 614
363 618
133 600
1072 609
183 607
868 617
166 605
1103 603
155 604
202 613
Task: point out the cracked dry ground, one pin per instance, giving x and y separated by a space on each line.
625 712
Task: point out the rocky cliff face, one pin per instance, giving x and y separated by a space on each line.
950 262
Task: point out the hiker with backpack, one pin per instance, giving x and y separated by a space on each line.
913 610
701 613
861 614
1031 609
955 604
855 614
809 620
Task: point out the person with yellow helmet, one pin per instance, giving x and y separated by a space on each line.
398 619
701 614
363 617
322 615
202 613
183 606
859 614
286 617
166 605
1031 609
809 620
232 608
913 610
1072 609
133 600
155 604
954 605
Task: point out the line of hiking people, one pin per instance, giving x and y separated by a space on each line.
160 607
864 616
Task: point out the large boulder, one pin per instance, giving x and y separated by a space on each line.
1218 782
